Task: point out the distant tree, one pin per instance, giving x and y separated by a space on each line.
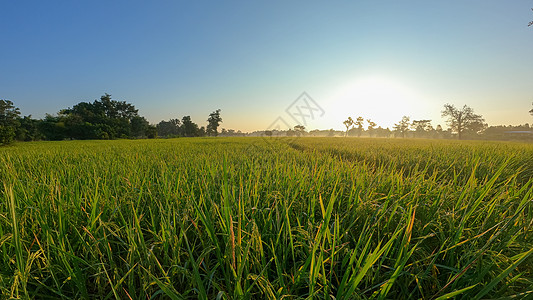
421 127
359 122
201 131
438 132
290 132
371 127
188 127
53 128
101 119
382 132
268 133
213 121
169 128
299 130
8 121
402 127
139 126
462 120
348 123
151 132
28 129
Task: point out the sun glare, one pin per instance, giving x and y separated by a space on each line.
381 99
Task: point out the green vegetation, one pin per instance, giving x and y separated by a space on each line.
243 218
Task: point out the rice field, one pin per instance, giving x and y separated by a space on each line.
253 218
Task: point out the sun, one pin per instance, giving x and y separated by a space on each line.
381 99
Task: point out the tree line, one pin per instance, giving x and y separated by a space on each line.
111 119
462 122
101 119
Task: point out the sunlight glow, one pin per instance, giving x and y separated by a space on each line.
381 99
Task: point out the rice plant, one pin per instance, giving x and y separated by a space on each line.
252 218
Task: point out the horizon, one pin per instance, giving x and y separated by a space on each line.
253 61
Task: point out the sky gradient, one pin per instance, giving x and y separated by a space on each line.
377 59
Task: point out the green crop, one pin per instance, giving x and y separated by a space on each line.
252 218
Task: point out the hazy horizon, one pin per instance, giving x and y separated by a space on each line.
253 60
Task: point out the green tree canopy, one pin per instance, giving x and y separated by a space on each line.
103 119
213 122
8 121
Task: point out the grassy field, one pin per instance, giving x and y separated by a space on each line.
245 218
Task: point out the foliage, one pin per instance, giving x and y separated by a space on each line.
189 128
359 123
402 127
28 130
371 127
245 218
348 123
213 122
463 120
422 128
8 121
103 119
169 128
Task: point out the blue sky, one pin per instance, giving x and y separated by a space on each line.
377 59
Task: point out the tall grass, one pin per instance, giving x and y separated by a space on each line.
244 218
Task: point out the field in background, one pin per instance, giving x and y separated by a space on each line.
252 218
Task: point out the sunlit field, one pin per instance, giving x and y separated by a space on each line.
253 218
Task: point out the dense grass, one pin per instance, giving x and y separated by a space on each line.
241 218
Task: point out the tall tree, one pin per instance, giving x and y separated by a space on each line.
8 121
348 123
402 127
213 122
371 127
139 126
188 127
462 120
359 122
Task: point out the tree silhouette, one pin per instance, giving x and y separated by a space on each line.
359 122
371 127
461 120
348 123
402 127
299 130
189 128
169 128
213 121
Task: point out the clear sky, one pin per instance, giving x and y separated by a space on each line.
377 59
